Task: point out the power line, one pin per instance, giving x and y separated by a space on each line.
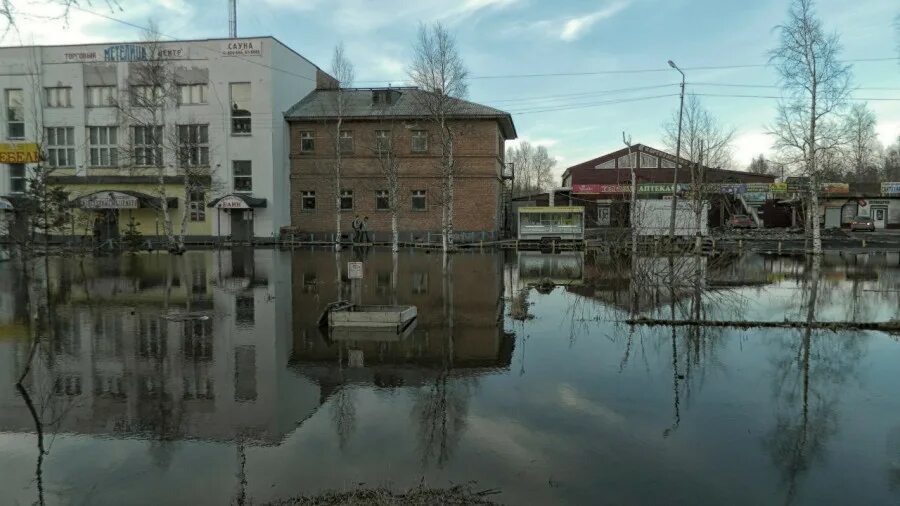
591 104
780 97
582 94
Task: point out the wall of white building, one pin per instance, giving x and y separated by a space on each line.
278 76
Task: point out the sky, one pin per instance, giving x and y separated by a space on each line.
510 46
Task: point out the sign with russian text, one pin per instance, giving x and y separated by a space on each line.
231 202
108 200
757 187
890 188
755 196
354 270
242 48
778 187
26 152
836 188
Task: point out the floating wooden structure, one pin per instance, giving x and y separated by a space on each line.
345 314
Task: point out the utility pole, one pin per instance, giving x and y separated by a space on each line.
677 156
232 19
632 205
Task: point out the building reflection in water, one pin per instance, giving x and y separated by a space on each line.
458 335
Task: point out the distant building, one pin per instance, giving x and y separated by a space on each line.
224 108
375 120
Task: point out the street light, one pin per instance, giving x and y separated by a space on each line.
677 155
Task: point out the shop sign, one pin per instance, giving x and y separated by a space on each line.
242 48
126 52
755 196
880 202
778 187
231 202
890 188
835 188
757 187
797 184
25 152
601 188
108 200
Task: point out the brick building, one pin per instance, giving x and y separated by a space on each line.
375 120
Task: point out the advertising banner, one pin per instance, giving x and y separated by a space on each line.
24 152
890 188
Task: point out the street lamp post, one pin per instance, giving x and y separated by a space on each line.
677 156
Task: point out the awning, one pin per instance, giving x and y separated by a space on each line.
6 205
237 201
122 199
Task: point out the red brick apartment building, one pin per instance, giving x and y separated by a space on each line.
371 119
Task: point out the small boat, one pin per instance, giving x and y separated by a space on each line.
345 314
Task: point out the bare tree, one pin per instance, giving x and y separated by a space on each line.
891 168
759 165
534 168
389 163
342 70
700 126
862 142
438 69
817 85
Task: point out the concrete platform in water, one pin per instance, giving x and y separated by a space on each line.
344 314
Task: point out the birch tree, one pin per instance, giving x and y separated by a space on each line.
342 70
389 163
439 70
862 142
816 85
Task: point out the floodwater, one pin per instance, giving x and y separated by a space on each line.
204 379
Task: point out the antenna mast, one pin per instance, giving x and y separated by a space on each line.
232 18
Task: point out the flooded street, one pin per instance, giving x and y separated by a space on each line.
205 379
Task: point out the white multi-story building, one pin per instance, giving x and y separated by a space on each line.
222 110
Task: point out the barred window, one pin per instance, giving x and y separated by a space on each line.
147 146
382 202
60 146
103 146
308 201
58 97
193 145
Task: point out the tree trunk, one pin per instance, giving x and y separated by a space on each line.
395 235
337 176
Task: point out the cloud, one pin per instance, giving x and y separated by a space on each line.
888 132
750 144
575 27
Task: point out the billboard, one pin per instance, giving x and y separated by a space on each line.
24 152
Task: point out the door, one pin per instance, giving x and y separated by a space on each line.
106 226
241 225
879 216
832 217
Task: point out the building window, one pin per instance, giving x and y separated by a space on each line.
197 205
193 145
103 146
240 108
346 141
145 95
418 200
100 96
58 97
191 94
382 202
649 161
346 200
17 178
668 164
308 201
15 114
243 176
419 141
307 142
627 161
147 146
244 309
382 141
60 146
609 164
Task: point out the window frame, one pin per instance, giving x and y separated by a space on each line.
201 88
418 135
382 141
11 119
193 154
346 194
55 92
147 151
88 96
235 177
197 205
419 194
307 136
240 116
304 197
382 196
16 178
54 149
146 95
341 138
96 148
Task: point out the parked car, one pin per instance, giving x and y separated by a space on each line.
741 221
862 223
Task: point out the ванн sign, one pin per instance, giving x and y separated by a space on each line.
108 200
26 152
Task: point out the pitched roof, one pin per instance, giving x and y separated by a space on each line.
406 103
